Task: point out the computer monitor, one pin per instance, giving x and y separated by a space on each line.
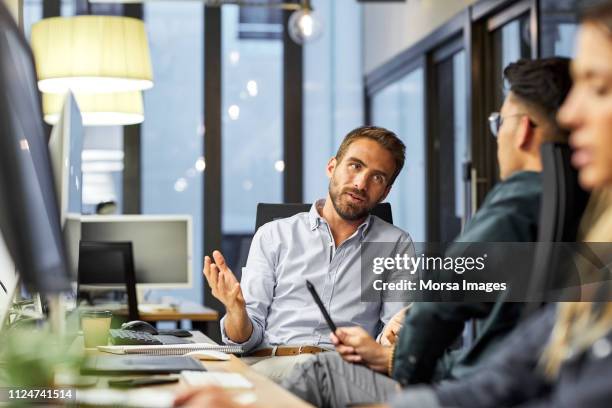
66 147
8 281
161 246
103 265
29 214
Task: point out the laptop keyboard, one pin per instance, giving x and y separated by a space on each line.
122 337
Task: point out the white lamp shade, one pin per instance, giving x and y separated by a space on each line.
121 108
91 54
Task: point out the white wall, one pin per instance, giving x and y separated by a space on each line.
390 28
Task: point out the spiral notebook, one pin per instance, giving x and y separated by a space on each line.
170 349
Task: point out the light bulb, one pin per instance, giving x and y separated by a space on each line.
304 25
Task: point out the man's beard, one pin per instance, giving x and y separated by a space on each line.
346 210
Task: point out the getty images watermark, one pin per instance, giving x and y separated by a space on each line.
484 272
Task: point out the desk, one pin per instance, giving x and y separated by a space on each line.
268 393
202 317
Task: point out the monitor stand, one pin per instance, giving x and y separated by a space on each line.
57 313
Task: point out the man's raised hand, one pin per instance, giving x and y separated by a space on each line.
223 283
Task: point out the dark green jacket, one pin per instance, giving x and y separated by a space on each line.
509 213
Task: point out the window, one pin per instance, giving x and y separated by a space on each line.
501 36
399 107
448 190
511 42
102 167
173 132
32 13
558 27
333 90
252 127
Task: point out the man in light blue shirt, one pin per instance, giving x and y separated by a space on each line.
271 311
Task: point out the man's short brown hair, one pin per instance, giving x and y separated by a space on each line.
383 137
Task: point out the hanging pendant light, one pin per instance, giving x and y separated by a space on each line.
104 109
91 54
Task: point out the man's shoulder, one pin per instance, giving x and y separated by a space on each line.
525 184
382 229
283 225
521 192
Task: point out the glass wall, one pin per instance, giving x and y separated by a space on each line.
252 122
448 190
558 26
461 156
399 107
511 42
333 89
32 13
102 167
172 134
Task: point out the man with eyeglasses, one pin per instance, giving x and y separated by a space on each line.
509 213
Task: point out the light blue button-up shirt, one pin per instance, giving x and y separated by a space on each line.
286 252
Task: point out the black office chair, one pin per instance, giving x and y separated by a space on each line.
270 212
108 263
563 203
563 200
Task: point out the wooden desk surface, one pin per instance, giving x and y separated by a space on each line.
204 315
268 393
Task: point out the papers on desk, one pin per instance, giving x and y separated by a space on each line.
149 398
156 308
219 379
171 349
135 398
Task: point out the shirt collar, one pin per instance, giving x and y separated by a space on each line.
313 215
315 219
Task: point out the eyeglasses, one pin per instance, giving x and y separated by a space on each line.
496 121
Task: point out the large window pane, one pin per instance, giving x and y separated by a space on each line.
32 13
511 42
172 133
333 102
460 133
102 167
399 107
449 149
558 27
252 122
251 119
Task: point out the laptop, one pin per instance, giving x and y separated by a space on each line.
119 365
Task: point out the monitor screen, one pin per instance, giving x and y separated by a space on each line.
8 281
66 147
29 214
161 245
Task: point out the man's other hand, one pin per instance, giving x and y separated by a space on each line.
355 345
392 329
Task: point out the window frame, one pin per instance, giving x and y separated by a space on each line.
448 39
